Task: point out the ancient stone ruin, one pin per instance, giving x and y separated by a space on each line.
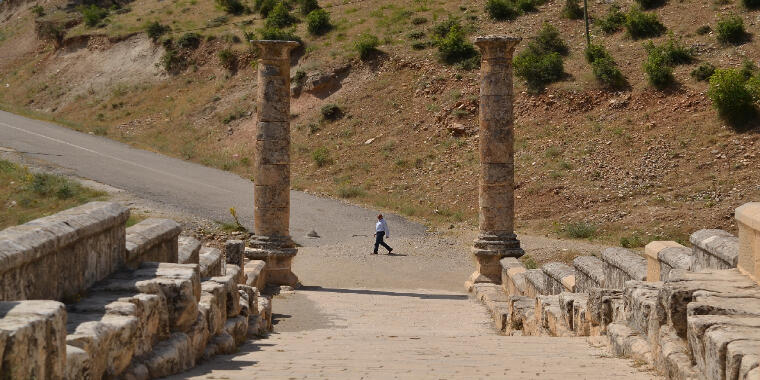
497 238
271 197
688 313
84 297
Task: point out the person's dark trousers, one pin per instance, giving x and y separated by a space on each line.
379 241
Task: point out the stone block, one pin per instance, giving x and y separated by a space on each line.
233 250
254 272
223 343
573 309
716 341
642 311
521 310
742 356
626 343
188 272
714 249
78 364
210 260
535 283
237 327
651 252
559 277
63 254
605 306
512 276
748 221
153 239
109 340
674 258
265 312
230 283
171 356
214 303
199 336
672 356
32 339
189 249
685 287
549 317
621 265
589 273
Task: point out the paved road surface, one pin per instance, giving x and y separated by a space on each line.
192 188
348 333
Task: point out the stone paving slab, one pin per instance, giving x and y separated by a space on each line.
325 333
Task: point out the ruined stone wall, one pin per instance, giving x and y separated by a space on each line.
61 255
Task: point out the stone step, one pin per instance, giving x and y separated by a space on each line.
641 308
549 317
673 357
495 300
521 314
605 306
714 249
210 260
559 277
626 343
589 273
189 249
574 312
621 265
709 337
512 276
32 340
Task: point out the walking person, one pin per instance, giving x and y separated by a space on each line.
382 231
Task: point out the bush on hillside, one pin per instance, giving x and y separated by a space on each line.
659 72
731 96
538 69
594 52
549 40
331 112
643 25
441 29
419 20
649 4
280 17
748 69
308 6
227 59
454 47
613 21
38 10
704 29
501 10
572 10
277 34
731 30
318 22
604 67
234 7
527 6
264 6
92 15
155 30
189 40
703 72
673 52
366 44
172 62
321 157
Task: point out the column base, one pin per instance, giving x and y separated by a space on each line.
487 251
278 253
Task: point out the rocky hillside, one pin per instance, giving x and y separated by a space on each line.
626 164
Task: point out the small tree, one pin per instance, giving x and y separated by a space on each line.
572 10
280 17
231 6
307 6
92 15
549 40
731 30
366 44
643 25
155 30
318 22
731 96
454 47
501 10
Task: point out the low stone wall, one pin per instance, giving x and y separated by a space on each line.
589 273
153 239
714 249
621 265
559 278
59 256
189 250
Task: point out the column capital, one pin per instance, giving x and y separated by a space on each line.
491 45
275 49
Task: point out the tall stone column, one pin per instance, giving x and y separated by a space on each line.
271 197
496 238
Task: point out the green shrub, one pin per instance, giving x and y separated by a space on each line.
529 262
318 22
366 44
703 72
673 52
633 241
38 10
748 69
277 34
189 40
659 72
595 52
643 25
416 35
155 30
580 230
50 31
502 10
331 112
419 20
321 157
264 6
308 6
572 10
704 29
649 4
441 29
538 69
217 21
92 15
604 67
731 30
420 45
227 59
44 184
751 4
346 191
613 21
280 17
548 40
731 95
527 6
454 48
231 6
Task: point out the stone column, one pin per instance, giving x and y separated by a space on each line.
271 197
748 221
496 238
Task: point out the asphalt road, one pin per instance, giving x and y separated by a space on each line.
189 187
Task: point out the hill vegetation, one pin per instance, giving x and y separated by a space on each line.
651 132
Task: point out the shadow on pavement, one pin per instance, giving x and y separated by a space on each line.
386 293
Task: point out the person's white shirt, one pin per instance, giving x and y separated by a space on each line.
382 226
